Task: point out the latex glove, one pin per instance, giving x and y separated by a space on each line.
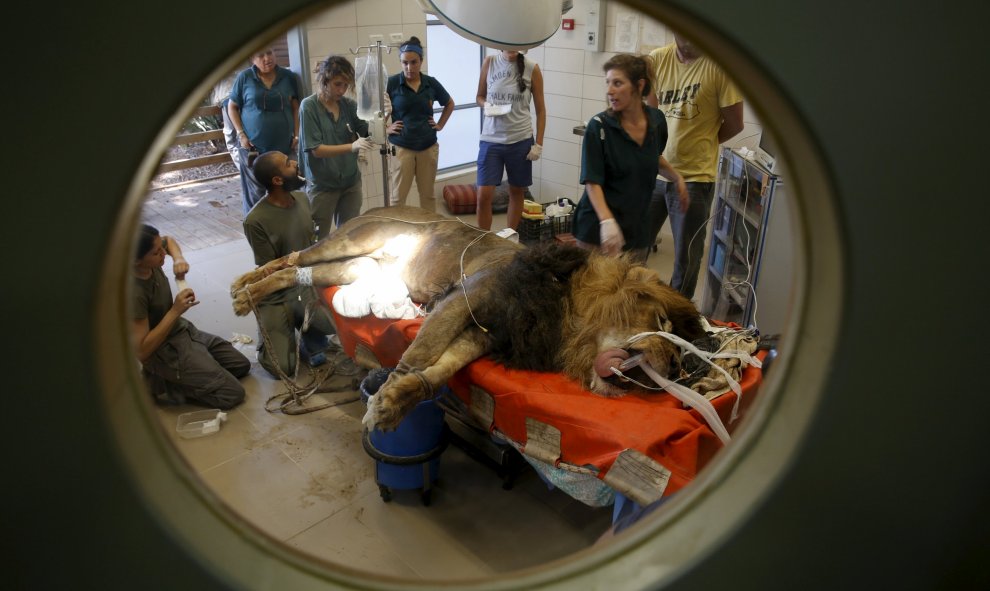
535 152
362 143
612 240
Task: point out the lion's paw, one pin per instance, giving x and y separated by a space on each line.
381 415
394 400
242 303
243 281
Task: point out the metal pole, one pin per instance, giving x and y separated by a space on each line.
381 113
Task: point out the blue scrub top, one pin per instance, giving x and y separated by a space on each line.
415 108
266 113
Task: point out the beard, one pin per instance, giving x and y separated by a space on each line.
293 183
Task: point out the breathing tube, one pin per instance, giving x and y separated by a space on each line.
686 395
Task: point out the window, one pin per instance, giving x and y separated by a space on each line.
456 63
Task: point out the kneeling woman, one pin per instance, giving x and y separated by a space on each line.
181 363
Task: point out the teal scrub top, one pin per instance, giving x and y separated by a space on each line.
267 112
627 173
318 126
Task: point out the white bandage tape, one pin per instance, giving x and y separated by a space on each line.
304 275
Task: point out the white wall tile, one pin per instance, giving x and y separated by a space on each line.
379 12
593 62
326 41
562 129
563 60
340 15
537 54
580 11
567 107
412 13
593 87
560 151
558 172
590 108
563 83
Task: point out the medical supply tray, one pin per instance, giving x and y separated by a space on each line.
542 227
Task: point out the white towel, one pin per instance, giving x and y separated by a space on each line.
381 296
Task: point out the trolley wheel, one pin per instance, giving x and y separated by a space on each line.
385 492
425 497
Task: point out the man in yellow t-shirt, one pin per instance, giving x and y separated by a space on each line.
703 109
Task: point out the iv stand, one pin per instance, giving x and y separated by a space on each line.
386 149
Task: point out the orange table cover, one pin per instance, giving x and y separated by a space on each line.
594 429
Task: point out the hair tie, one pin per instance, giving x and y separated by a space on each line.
413 48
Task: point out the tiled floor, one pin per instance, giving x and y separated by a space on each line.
306 480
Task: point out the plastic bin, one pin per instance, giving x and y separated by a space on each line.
200 423
408 457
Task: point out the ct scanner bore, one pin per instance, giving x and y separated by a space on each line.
872 488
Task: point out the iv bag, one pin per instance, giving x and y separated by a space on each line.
369 86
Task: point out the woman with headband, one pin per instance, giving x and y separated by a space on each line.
413 130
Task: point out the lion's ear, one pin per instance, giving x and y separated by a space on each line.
685 317
681 311
642 274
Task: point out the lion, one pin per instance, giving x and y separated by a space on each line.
549 307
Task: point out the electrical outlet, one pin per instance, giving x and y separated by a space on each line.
395 38
376 38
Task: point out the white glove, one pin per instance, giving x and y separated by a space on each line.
535 152
362 143
612 240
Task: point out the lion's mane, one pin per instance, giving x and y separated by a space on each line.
608 293
549 308
527 306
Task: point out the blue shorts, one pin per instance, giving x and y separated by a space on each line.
494 158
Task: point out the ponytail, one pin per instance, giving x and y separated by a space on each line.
520 69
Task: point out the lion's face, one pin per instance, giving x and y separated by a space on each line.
615 303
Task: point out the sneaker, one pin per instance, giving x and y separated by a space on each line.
318 359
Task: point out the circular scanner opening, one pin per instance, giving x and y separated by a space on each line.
656 550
